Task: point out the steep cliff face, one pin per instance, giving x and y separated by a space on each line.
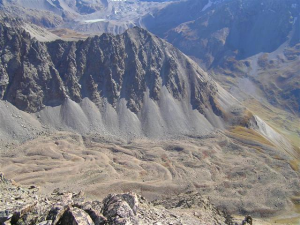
28 77
35 75
134 78
127 66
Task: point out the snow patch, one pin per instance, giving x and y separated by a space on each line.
272 135
209 4
295 19
94 21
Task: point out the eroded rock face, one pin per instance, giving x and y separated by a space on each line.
35 75
121 209
29 79
116 209
76 216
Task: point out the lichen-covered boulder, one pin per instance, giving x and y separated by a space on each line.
121 209
75 216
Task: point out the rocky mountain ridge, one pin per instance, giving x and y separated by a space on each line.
135 70
77 67
22 205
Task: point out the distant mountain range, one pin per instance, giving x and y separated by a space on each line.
240 39
86 16
251 47
60 6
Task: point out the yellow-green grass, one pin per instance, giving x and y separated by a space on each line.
249 135
294 164
283 122
69 34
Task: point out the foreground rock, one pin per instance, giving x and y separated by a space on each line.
20 205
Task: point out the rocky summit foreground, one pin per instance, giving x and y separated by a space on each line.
21 205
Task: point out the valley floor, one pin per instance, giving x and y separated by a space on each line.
235 171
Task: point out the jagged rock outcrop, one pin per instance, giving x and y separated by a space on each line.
121 209
35 31
26 206
26 71
101 67
134 78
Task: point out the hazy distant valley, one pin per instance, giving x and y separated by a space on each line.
162 98
93 18
251 48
